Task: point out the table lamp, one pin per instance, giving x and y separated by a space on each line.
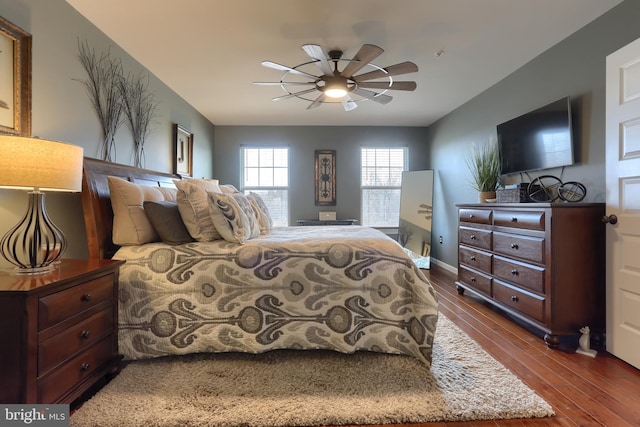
37 165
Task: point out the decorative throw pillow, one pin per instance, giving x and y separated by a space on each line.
194 209
166 220
228 188
130 224
262 213
233 216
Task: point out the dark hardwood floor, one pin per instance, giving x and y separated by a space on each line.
583 391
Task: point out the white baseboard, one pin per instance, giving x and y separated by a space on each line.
444 265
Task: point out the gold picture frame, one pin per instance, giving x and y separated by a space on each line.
15 80
182 151
325 173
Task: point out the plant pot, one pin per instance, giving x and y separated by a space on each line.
484 195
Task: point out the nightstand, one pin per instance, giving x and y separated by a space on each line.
58 331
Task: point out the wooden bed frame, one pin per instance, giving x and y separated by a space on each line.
96 201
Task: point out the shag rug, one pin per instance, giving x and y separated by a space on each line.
312 388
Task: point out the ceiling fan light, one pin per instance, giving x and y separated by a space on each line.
335 91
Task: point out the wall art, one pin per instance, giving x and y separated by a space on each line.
15 80
325 170
183 152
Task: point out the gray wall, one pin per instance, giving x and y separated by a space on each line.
62 111
302 142
574 67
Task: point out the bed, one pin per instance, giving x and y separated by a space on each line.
342 288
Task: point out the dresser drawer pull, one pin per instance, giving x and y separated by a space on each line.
514 298
86 297
514 272
85 334
473 279
514 246
514 219
472 258
85 367
472 216
472 237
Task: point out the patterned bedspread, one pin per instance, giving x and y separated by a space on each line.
342 288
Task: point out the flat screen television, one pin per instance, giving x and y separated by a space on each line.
539 139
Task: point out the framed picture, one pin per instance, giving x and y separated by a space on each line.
183 151
15 80
325 177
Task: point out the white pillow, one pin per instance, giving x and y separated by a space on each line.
262 213
130 223
233 216
194 209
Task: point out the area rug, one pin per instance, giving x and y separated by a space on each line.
312 388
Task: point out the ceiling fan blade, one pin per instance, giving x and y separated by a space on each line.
385 85
392 70
280 67
316 52
291 95
377 97
366 54
348 103
317 102
284 83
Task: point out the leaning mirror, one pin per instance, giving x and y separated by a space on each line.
414 229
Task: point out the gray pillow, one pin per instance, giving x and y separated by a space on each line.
165 218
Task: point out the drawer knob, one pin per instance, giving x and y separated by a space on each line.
514 219
473 258
85 334
472 237
514 298
86 297
85 367
472 216
514 272
473 279
514 246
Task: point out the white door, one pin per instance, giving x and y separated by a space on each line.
623 201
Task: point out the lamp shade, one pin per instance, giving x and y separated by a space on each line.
28 163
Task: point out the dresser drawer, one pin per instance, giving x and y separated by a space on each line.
477 216
514 245
60 347
475 237
75 371
476 259
62 305
522 301
475 279
527 275
530 220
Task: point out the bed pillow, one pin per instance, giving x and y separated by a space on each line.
228 188
194 209
262 213
166 221
130 224
233 216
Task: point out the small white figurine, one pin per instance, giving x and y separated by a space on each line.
585 343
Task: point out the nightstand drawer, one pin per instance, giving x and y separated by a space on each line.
525 247
475 259
527 304
62 305
475 237
60 347
75 371
530 220
529 276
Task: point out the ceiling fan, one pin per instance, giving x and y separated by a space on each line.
341 86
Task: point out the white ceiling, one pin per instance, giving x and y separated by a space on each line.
209 51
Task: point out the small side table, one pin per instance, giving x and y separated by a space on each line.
326 222
59 331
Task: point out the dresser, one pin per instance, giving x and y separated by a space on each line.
542 263
58 331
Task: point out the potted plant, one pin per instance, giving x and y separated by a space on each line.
484 164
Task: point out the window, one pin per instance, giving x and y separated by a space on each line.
265 171
380 183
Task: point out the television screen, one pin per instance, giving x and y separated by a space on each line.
540 139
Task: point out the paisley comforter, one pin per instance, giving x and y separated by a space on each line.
342 288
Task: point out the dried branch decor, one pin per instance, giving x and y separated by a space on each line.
103 76
140 108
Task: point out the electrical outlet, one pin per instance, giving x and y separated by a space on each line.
440 240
